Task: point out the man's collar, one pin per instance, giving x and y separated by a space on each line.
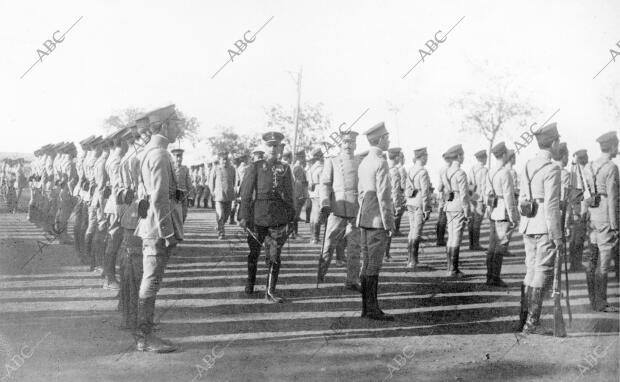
159 141
545 154
376 151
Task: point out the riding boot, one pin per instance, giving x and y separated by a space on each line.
525 296
490 263
252 267
601 294
364 282
532 323
372 308
410 262
272 280
455 263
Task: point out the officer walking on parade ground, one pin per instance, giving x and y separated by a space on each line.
314 183
457 207
223 188
300 188
604 214
579 209
160 226
183 178
266 212
339 207
375 218
541 226
503 214
418 194
477 183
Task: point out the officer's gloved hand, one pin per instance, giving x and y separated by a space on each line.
559 245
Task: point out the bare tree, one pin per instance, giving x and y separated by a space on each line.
613 101
122 119
489 113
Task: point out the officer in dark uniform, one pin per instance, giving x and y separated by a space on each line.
266 211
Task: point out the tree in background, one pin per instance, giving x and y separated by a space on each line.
228 140
314 124
488 113
613 101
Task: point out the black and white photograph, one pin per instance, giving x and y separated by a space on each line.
352 190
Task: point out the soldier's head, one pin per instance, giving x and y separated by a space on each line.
348 142
609 143
378 136
512 158
548 138
273 144
581 157
481 156
300 157
317 154
394 154
455 154
223 156
500 152
287 156
258 155
178 156
421 156
561 154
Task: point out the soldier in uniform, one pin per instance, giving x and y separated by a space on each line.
81 209
477 182
579 210
604 214
300 188
314 183
541 226
418 194
130 252
199 186
209 192
503 213
398 197
114 208
375 218
184 182
457 207
442 220
101 196
223 186
161 227
67 199
91 226
338 201
266 211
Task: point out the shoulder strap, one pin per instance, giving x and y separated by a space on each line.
142 165
529 179
450 178
493 177
412 179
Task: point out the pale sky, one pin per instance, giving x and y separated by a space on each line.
353 53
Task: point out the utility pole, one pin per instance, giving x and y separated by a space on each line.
297 113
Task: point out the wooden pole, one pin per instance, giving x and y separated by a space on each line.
297 113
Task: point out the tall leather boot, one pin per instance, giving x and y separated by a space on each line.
272 280
455 263
252 267
440 229
232 216
449 254
372 304
364 282
601 294
499 260
146 340
410 262
471 234
532 323
525 296
590 282
490 264
88 250
308 210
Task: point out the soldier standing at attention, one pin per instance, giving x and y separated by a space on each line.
398 197
102 193
477 183
314 183
266 210
223 186
442 221
418 193
457 207
503 214
375 218
338 195
161 227
541 226
114 209
604 207
579 210
300 188
184 182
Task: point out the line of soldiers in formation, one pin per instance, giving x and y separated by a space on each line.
12 182
130 200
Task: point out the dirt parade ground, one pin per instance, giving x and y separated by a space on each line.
58 324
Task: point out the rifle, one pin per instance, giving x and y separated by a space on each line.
559 329
318 271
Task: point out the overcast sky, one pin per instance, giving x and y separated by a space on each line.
353 53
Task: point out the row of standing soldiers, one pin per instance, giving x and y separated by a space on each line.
13 181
